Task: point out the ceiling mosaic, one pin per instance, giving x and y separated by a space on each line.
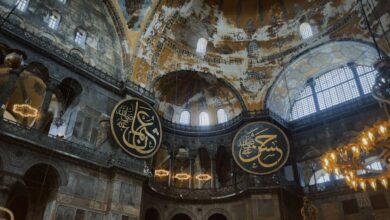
250 43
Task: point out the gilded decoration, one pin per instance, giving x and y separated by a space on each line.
136 127
260 148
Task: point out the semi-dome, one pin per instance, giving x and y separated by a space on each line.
193 93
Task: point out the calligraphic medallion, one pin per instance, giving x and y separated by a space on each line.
260 148
136 127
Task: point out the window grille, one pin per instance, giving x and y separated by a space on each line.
184 118
305 30
333 88
22 5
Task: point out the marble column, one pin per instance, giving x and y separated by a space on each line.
8 89
213 172
43 113
192 173
171 169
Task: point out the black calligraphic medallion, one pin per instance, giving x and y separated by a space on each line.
260 148
136 127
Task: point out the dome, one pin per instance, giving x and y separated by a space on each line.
195 92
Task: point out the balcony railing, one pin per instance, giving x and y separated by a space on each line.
69 149
242 184
222 127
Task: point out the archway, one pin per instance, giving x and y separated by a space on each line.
217 216
29 197
152 214
181 217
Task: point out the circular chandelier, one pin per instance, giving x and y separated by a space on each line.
183 176
348 161
161 173
203 177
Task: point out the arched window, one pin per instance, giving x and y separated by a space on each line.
54 20
305 30
204 119
333 88
185 118
221 116
80 37
252 48
22 5
319 177
201 46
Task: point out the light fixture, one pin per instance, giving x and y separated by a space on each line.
183 176
161 173
203 177
25 110
350 160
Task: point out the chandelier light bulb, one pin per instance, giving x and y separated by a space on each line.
384 183
382 130
373 184
363 185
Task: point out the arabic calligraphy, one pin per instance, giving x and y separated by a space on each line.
136 127
260 148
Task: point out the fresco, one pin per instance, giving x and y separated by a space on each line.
134 12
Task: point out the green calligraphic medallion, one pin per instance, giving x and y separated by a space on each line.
260 148
136 127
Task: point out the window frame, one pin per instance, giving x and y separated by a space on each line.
188 121
204 119
53 24
201 46
357 81
22 5
80 37
222 118
306 30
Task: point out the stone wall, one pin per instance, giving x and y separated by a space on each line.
102 48
253 207
84 192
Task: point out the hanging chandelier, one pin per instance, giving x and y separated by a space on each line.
161 173
25 110
348 161
183 176
203 177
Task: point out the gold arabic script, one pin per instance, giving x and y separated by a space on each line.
137 125
260 147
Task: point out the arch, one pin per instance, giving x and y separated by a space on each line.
59 169
42 182
152 214
39 70
218 212
181 212
69 89
311 63
153 83
217 216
